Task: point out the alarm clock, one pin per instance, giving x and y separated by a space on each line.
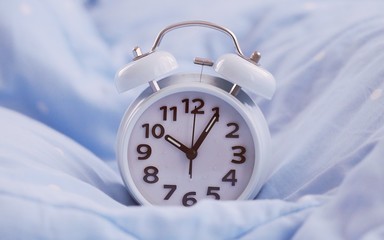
191 136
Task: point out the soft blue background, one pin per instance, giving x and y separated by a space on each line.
57 64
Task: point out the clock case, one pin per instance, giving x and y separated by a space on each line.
242 79
213 85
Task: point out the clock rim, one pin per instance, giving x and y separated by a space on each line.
249 111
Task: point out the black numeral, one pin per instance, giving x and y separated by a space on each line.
171 110
233 133
239 155
217 112
230 177
197 109
157 130
172 189
212 191
188 199
145 150
151 174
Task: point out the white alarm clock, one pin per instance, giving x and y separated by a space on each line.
193 136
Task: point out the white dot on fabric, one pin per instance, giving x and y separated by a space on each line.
376 94
25 8
310 6
60 151
320 56
54 187
42 107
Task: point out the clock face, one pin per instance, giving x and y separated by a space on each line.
189 145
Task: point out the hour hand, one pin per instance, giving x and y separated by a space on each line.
188 152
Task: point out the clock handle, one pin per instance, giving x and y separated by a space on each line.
240 70
255 57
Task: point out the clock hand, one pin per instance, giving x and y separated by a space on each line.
193 128
193 139
207 129
190 153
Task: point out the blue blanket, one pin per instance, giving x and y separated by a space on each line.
60 112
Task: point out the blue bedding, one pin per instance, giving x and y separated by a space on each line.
59 113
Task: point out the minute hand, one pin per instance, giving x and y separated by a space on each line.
207 129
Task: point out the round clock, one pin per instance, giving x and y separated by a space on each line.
194 136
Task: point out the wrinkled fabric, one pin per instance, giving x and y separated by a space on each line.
60 113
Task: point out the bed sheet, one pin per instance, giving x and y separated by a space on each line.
60 112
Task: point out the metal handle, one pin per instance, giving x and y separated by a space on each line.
201 24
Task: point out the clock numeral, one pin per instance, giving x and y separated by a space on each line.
197 109
240 155
172 189
171 110
145 150
188 199
233 133
157 130
151 174
230 177
212 191
217 112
